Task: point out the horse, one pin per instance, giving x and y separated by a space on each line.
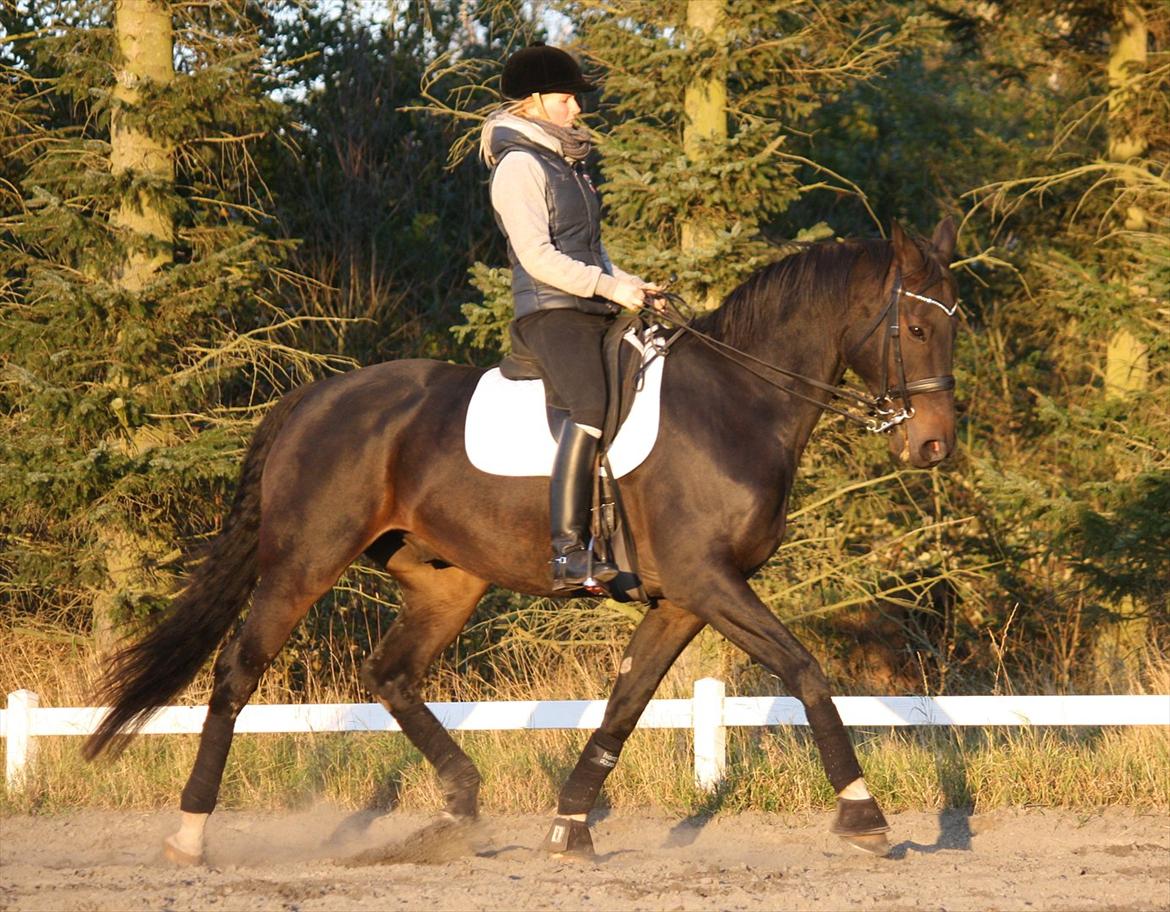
371 462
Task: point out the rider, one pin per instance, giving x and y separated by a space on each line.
565 290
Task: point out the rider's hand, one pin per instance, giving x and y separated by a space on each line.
652 295
629 295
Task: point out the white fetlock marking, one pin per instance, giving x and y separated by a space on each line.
189 838
580 818
855 790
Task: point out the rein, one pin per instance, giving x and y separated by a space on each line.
880 415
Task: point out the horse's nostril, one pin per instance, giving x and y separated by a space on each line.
934 451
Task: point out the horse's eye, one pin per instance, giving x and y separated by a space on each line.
917 332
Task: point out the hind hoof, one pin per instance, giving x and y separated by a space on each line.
860 823
176 856
872 844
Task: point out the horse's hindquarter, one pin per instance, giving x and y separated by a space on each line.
381 449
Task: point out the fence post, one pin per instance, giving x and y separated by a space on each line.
19 747
710 734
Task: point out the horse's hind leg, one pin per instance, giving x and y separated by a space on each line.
436 604
661 636
284 595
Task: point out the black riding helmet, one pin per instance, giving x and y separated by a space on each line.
543 69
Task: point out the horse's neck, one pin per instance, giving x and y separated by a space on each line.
805 343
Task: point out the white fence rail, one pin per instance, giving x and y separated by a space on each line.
708 715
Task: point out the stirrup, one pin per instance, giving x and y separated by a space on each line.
580 569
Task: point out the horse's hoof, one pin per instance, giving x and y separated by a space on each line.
871 843
860 823
447 838
569 839
175 855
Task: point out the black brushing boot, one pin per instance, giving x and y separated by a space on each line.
570 493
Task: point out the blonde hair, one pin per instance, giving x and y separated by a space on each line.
531 106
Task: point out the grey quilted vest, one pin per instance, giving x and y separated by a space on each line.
574 226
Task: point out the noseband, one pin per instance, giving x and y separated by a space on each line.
886 415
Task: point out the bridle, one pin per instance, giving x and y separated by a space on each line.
882 414
885 415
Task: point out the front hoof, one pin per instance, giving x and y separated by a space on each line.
860 823
177 856
569 838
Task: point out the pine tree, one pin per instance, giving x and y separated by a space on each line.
385 230
699 105
139 318
1090 500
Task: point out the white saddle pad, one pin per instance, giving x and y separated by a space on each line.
507 426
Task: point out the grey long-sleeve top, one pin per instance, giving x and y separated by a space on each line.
518 196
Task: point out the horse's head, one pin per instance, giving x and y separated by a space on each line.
902 345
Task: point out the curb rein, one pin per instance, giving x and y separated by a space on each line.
881 414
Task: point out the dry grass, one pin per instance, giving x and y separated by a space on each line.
772 770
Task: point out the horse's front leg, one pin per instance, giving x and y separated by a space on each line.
661 636
723 599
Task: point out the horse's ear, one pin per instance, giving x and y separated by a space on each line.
901 242
943 239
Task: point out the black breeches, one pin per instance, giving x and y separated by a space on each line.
567 343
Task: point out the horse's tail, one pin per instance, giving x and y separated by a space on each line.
146 674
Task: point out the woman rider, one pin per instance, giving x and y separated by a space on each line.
565 290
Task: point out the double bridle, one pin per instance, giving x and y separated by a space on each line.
885 416
882 414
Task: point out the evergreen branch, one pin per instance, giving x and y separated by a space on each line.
1136 83
842 491
988 258
251 211
25 36
227 140
853 188
240 342
839 569
886 593
997 195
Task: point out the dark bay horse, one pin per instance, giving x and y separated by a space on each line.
372 462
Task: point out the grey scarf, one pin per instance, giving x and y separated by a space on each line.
575 141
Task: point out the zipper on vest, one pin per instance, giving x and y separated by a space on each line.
586 187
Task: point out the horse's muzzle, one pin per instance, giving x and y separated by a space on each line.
921 450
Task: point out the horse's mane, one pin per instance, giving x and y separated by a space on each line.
817 275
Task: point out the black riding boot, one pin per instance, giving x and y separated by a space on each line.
570 497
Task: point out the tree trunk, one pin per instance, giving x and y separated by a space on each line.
1127 57
705 108
1127 363
1119 646
144 49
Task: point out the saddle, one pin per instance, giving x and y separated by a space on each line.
623 349
622 371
